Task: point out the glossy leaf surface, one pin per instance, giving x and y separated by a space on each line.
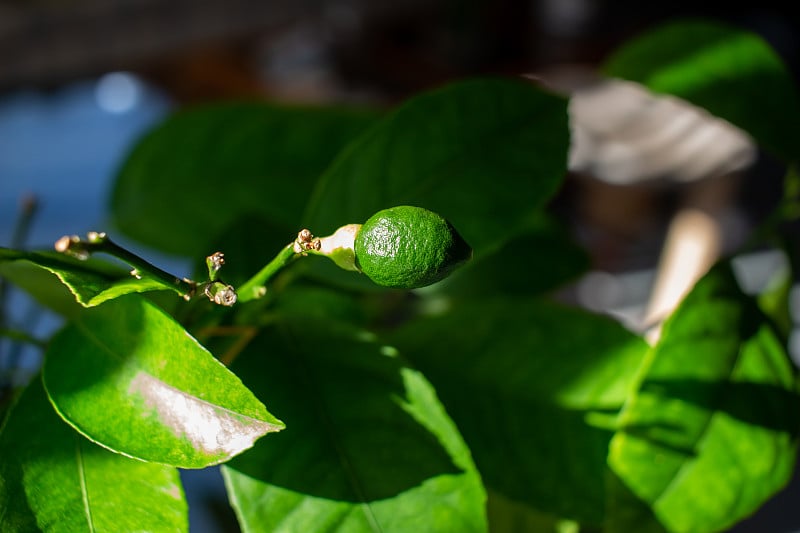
730 72
711 432
129 377
482 153
91 282
534 388
52 479
203 169
367 447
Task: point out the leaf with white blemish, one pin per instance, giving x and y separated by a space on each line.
52 479
130 378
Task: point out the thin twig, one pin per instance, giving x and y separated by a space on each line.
98 242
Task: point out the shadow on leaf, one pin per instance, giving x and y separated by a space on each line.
546 456
758 404
625 511
355 431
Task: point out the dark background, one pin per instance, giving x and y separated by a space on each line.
204 49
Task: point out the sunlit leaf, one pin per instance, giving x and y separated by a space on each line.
367 447
730 72
205 168
129 377
482 153
711 432
534 388
91 282
52 479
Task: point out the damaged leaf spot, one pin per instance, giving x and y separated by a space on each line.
130 378
210 428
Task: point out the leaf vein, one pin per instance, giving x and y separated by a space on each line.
326 419
82 481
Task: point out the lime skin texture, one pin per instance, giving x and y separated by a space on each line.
408 247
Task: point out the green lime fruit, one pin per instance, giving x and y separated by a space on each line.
408 247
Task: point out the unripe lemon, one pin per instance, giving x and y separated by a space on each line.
408 247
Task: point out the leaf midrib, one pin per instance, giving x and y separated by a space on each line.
87 510
299 360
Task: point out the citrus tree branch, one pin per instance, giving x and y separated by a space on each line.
99 242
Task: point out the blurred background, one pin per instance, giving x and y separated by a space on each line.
81 80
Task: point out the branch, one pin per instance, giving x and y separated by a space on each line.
97 242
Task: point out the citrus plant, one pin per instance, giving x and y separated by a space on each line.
334 396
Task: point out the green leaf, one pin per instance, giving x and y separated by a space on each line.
319 302
534 389
91 282
730 72
127 376
368 445
52 479
508 516
201 170
481 153
541 259
711 432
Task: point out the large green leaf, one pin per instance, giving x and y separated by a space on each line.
91 282
541 259
711 432
127 376
730 72
534 388
52 479
204 168
368 446
481 153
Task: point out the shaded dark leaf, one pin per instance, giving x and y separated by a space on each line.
203 169
368 447
535 389
481 153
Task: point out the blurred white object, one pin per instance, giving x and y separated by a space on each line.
624 134
692 246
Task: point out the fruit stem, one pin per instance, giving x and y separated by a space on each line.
255 286
339 247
